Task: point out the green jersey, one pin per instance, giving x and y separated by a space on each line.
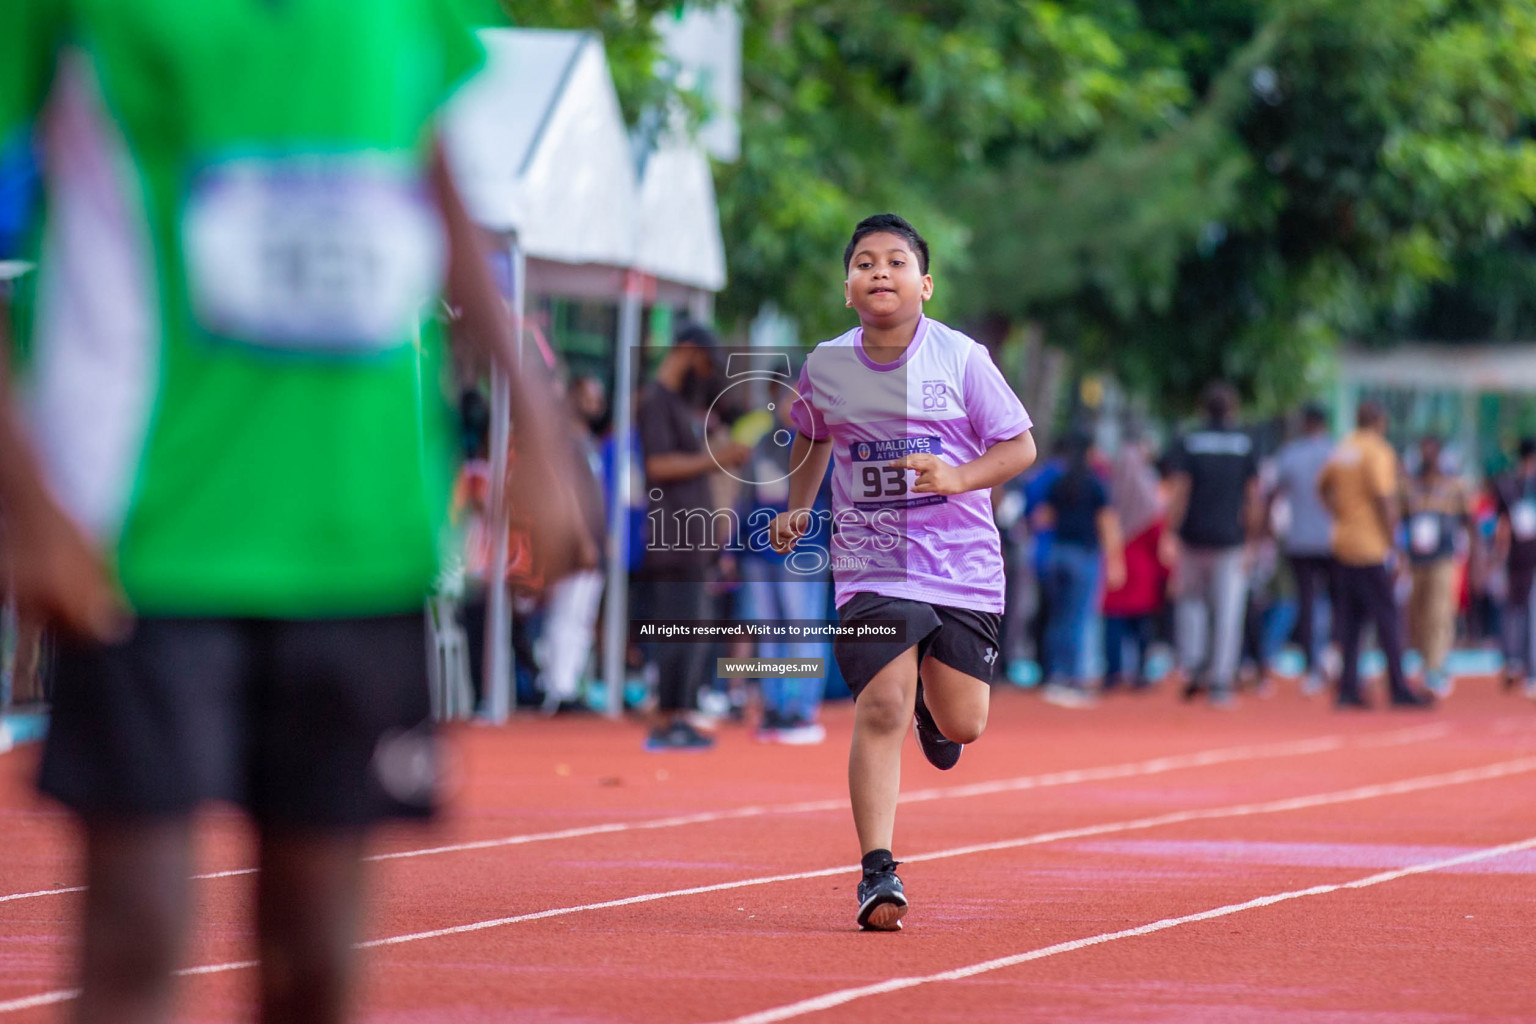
224 378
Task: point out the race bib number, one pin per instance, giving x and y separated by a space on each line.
1522 519
877 485
1424 533
322 253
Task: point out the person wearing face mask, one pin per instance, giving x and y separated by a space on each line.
685 530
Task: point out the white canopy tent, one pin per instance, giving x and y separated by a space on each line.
1463 368
547 166
540 150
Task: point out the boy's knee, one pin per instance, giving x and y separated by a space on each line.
963 728
882 712
968 730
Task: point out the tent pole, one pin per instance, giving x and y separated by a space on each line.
498 619
616 621
701 306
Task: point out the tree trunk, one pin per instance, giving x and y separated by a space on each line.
1039 383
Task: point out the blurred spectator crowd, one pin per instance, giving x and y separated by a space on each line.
1216 565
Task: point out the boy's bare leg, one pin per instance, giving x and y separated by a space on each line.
958 702
881 717
137 905
308 907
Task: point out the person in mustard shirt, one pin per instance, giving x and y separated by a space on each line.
1358 486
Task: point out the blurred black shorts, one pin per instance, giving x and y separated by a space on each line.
304 723
961 638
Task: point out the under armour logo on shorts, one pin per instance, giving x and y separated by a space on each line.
990 656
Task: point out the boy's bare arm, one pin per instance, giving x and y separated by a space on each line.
809 461
1003 461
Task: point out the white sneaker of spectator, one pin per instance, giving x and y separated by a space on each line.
1064 696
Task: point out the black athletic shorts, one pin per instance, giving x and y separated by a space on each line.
961 638
305 723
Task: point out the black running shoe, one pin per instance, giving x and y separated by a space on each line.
882 904
678 736
943 753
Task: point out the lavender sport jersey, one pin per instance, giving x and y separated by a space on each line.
943 396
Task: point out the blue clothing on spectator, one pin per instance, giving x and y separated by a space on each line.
775 590
18 192
1298 465
635 493
1036 487
1073 578
1077 503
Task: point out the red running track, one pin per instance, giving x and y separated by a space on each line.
1143 861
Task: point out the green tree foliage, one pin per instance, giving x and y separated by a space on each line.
645 80
853 108
1382 145
1173 189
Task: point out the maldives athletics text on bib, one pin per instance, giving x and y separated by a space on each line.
876 484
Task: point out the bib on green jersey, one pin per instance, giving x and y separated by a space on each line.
225 383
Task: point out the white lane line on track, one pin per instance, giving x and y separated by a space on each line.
41 892
1154 766
1402 737
848 995
1500 770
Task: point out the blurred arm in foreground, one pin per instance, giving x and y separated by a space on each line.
52 568
552 481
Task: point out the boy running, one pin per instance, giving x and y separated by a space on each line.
919 425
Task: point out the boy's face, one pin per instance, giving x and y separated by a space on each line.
884 283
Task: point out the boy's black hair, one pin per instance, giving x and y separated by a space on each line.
895 225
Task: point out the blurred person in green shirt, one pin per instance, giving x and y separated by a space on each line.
220 479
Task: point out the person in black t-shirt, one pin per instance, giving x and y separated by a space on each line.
683 538
1515 542
1214 491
